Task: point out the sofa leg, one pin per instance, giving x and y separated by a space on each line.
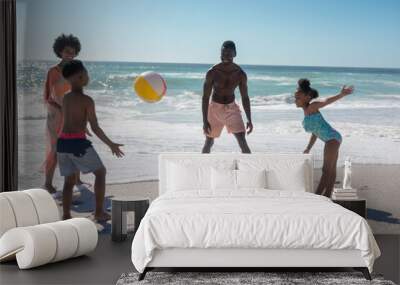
364 271
143 274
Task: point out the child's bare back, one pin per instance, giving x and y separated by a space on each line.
76 109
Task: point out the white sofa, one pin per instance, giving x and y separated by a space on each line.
31 231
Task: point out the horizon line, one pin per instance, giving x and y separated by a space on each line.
211 64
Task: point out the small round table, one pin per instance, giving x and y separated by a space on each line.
119 206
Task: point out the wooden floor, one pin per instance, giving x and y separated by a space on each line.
110 260
103 266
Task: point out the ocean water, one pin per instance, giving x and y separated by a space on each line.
369 119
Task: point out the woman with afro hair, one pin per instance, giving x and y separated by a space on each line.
66 48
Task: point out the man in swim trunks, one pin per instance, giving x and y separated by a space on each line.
222 80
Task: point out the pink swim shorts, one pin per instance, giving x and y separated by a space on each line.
221 115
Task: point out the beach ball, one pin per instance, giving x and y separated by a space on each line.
150 86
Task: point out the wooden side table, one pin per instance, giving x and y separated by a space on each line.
358 206
119 207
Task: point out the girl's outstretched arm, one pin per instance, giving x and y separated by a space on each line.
314 106
313 138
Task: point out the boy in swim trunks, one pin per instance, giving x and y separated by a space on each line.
74 152
223 79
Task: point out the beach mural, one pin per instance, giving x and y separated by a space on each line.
369 121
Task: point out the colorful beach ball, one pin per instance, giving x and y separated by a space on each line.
150 86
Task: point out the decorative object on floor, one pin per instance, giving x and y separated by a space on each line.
33 234
120 206
358 206
243 278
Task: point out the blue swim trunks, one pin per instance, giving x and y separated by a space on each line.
77 155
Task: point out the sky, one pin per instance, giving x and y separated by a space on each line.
354 33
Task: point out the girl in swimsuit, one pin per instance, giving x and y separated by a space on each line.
66 48
315 124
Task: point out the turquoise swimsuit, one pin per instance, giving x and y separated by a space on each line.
316 124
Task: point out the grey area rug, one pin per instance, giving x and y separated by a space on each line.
243 278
